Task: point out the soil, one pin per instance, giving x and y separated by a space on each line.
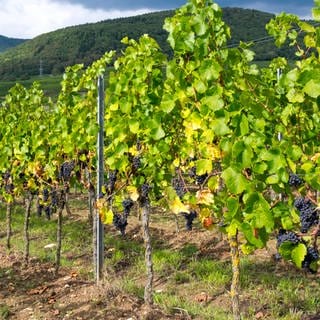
35 292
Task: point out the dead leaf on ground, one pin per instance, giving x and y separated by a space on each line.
39 290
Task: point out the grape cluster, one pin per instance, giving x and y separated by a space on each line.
308 213
311 256
48 202
178 186
111 182
136 163
127 205
120 222
199 179
54 198
6 175
45 195
189 217
9 187
66 170
294 180
144 194
7 182
287 236
43 207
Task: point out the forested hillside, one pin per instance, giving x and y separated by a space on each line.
85 43
6 43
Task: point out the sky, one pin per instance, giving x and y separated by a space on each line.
28 18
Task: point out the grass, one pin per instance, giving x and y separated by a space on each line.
278 291
4 312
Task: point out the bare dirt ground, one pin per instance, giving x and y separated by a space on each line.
35 292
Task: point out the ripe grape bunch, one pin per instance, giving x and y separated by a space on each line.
311 256
127 205
287 236
54 199
7 182
44 204
189 217
136 163
6 176
178 186
199 179
111 182
66 170
308 213
294 180
120 221
45 195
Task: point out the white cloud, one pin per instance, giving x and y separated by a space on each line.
27 19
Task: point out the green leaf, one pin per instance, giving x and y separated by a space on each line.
306 26
248 232
243 126
200 86
298 254
157 133
285 250
134 125
294 95
210 70
167 104
233 206
220 127
312 88
213 102
203 166
234 181
294 152
273 179
213 183
316 14
200 25
286 222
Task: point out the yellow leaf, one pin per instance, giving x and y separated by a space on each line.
100 203
106 215
247 248
31 184
177 206
133 193
204 197
315 157
204 213
133 150
114 107
176 162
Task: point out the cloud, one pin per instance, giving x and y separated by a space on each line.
297 7
132 4
27 19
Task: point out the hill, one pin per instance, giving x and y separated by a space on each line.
85 43
6 43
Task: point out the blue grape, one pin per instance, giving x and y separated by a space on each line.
294 180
